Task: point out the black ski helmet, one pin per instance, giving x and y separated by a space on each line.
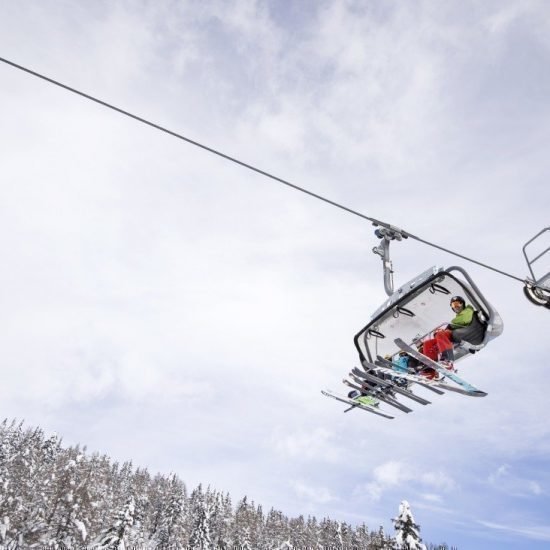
458 299
353 394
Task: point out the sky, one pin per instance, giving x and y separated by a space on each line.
163 305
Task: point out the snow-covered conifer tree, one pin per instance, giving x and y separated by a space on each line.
8 486
221 520
171 532
116 537
276 530
298 534
343 533
360 537
65 521
124 481
98 498
157 487
247 525
407 534
28 478
329 533
139 535
313 533
379 540
199 508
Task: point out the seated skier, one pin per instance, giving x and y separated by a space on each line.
465 325
439 348
400 361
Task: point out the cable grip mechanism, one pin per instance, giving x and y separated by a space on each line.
386 234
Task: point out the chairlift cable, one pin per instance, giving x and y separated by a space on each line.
253 168
467 258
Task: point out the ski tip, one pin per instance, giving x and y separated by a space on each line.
479 393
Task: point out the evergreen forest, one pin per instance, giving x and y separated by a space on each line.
64 498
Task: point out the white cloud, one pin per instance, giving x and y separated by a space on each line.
398 474
391 473
317 445
534 532
505 480
320 495
431 497
502 19
438 480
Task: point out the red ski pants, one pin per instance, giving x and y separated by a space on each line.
438 344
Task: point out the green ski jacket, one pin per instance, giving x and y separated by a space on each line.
464 318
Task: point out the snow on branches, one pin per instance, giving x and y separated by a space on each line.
58 497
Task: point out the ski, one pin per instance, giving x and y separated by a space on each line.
386 365
469 388
328 393
378 393
381 396
373 378
430 384
371 372
421 380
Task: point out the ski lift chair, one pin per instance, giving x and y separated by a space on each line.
537 289
420 307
